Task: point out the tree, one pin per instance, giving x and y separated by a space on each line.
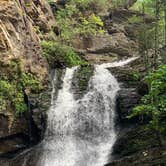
153 105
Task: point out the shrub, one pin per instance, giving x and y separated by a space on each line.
60 54
153 105
77 20
135 19
13 87
11 95
30 82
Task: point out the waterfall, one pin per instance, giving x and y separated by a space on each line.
81 132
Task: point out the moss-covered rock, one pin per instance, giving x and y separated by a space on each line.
81 80
149 157
140 138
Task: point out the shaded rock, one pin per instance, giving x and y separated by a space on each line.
13 134
81 79
149 157
117 43
20 42
126 101
137 138
30 157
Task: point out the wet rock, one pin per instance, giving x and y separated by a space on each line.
81 79
148 157
13 134
136 144
29 157
126 101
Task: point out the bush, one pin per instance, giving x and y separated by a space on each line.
153 105
14 85
77 20
57 54
31 83
135 19
95 6
11 96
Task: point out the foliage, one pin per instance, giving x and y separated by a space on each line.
153 105
64 55
95 6
77 19
13 87
154 8
83 76
119 3
11 95
135 19
136 75
30 82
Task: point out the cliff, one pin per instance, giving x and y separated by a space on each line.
21 58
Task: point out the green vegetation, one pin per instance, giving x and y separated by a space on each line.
136 76
154 36
135 19
30 83
119 3
77 16
60 54
77 19
11 95
83 76
151 39
12 88
72 27
153 105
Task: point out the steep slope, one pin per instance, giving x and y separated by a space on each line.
20 55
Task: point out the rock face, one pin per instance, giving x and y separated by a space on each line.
18 38
21 24
115 45
136 144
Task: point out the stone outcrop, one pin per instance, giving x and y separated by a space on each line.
22 24
18 39
136 144
117 44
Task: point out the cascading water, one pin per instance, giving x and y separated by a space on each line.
81 132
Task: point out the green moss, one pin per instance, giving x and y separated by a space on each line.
58 54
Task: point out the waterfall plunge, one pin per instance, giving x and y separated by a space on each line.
81 132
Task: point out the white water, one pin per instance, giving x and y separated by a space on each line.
81 132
